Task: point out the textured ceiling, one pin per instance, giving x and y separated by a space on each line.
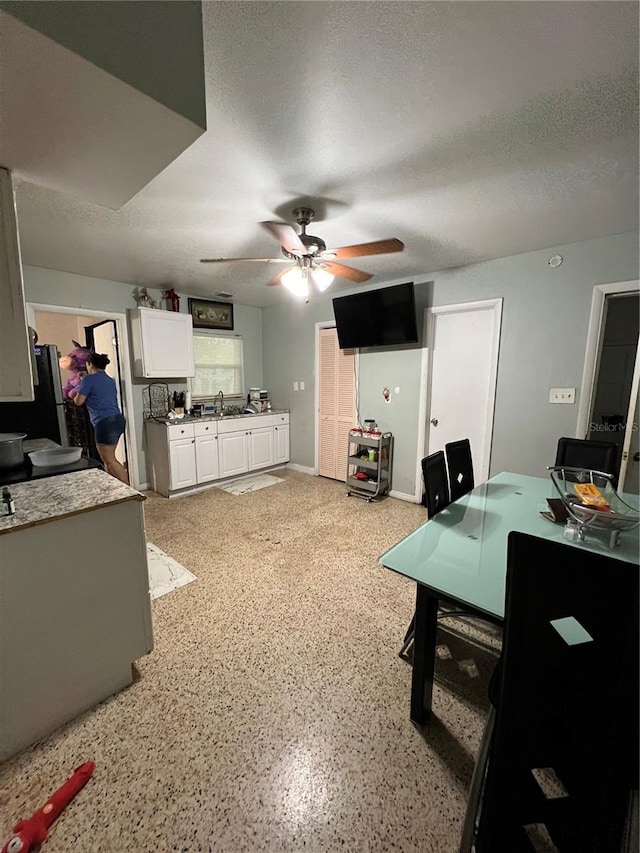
469 131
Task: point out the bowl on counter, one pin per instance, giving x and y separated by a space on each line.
55 456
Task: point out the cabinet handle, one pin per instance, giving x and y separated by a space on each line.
193 441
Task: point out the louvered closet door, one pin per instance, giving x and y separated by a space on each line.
336 392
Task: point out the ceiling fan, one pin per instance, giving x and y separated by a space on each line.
309 260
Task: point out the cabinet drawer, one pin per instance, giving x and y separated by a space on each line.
233 425
258 421
175 431
281 419
205 428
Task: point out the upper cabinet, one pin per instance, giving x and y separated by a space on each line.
16 383
162 344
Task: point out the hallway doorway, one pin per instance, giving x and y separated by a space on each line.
61 325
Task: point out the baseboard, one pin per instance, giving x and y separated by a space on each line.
301 469
143 487
402 496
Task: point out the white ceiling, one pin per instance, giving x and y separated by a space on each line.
468 130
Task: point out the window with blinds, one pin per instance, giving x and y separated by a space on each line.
219 366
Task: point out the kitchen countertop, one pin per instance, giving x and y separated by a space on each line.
212 417
52 498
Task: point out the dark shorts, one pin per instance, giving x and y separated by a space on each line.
108 430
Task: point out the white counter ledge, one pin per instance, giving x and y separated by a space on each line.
52 498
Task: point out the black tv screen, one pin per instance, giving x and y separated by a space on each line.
377 318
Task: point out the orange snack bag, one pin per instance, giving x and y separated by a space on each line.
590 494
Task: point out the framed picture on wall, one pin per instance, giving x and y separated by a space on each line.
211 315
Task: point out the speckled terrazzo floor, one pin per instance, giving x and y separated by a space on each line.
273 713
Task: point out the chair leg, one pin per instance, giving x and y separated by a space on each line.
408 640
474 802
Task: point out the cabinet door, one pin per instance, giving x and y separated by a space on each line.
182 462
207 458
260 442
167 343
16 381
281 443
232 453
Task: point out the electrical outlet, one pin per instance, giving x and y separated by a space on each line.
301 385
562 395
295 386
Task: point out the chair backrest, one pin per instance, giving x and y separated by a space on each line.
434 476
460 467
583 453
564 753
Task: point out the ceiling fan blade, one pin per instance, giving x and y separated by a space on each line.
340 271
277 277
378 247
233 260
286 236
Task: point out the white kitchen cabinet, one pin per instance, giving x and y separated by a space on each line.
162 343
260 448
182 463
16 380
232 453
281 443
184 454
206 447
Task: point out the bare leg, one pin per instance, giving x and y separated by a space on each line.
116 469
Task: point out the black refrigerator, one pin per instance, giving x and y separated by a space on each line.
45 416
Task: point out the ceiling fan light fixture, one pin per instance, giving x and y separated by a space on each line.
321 278
296 282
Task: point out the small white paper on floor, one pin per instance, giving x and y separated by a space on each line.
165 574
250 484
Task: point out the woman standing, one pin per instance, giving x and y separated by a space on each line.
98 391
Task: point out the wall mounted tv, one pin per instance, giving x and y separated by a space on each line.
377 318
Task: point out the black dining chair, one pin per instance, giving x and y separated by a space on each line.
460 467
558 764
436 498
594 455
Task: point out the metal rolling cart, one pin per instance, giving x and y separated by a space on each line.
369 464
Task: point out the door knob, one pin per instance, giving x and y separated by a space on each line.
636 457
434 421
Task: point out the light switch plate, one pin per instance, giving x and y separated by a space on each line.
301 385
295 386
562 395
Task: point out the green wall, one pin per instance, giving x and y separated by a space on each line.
155 46
51 287
545 317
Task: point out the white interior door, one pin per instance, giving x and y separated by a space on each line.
336 404
463 342
105 340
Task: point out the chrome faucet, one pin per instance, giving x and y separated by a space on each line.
221 395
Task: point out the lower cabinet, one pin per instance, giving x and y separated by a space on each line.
281 443
184 455
233 457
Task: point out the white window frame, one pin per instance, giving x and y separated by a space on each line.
202 333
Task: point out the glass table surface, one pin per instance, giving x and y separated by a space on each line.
462 552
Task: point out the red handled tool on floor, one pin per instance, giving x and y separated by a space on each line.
27 834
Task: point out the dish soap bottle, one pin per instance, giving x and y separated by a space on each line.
7 500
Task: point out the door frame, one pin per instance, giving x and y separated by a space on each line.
592 360
126 377
426 367
325 324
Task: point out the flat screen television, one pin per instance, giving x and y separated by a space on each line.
377 318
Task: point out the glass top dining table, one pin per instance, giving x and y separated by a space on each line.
460 556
